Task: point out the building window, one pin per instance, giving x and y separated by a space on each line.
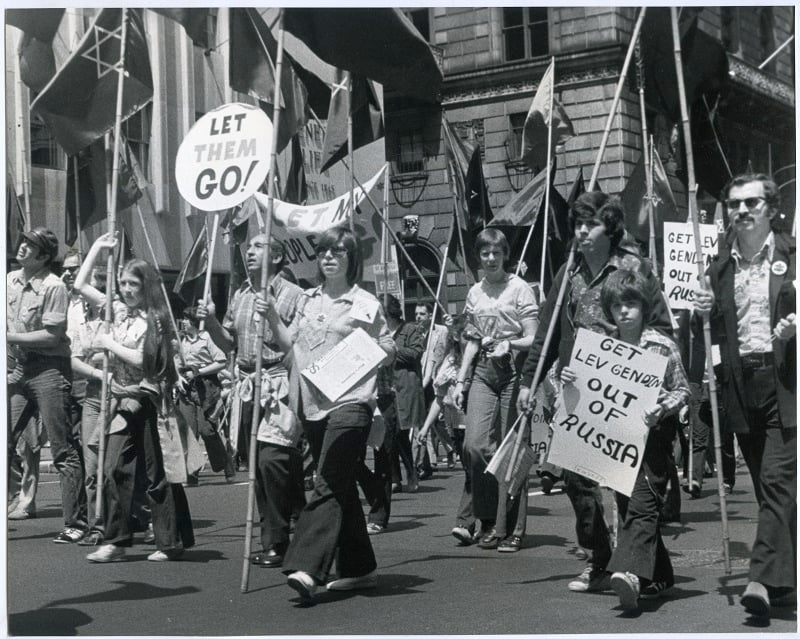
136 130
44 150
516 122
422 21
729 18
410 157
525 32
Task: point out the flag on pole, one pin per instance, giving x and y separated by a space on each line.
37 62
79 103
366 114
523 208
634 200
94 172
124 250
193 21
194 269
15 217
480 211
535 130
382 44
235 222
41 24
296 188
251 65
457 155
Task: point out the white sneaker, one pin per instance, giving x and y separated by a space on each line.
161 555
626 585
303 583
106 554
370 580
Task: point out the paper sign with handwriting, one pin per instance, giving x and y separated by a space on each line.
680 261
599 430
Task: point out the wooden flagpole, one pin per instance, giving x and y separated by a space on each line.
22 148
261 322
76 185
547 187
692 201
615 102
442 275
351 169
211 247
385 239
105 395
649 166
647 147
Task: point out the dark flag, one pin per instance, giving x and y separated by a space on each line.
193 21
296 189
457 154
235 222
253 51
93 175
124 250
366 114
460 247
535 131
382 44
634 201
523 208
480 211
15 218
37 62
190 282
710 165
79 103
41 24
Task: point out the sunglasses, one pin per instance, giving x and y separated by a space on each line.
749 202
337 251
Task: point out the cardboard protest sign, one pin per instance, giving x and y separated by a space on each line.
387 280
299 226
598 429
224 158
680 261
540 427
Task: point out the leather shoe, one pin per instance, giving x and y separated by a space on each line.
269 559
756 599
489 541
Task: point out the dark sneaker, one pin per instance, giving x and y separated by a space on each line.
69 536
510 544
93 538
655 589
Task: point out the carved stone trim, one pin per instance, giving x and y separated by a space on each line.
743 73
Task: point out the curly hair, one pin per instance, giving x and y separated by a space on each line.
158 361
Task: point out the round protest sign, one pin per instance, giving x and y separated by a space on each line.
223 159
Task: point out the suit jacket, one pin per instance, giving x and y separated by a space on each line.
724 331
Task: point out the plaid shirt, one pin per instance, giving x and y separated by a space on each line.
241 321
674 393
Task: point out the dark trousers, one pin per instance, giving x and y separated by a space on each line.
703 445
44 386
377 485
590 524
770 453
640 548
332 524
169 508
279 491
199 408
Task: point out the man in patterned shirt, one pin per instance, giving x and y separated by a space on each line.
279 465
751 305
36 321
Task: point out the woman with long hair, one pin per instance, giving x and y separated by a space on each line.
332 524
140 347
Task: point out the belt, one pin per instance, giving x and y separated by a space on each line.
758 360
250 368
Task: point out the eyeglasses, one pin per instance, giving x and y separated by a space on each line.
337 251
749 202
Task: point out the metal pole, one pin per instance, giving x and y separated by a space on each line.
265 263
692 196
613 110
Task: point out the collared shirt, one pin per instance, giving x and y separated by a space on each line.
435 348
498 310
316 330
242 321
674 392
76 316
751 294
36 304
129 328
199 350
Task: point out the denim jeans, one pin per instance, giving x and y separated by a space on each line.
491 412
90 415
332 524
43 385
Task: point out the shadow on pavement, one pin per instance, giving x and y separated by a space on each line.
49 621
127 591
534 541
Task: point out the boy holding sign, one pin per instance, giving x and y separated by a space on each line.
640 563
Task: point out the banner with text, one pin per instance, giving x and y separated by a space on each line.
598 429
299 226
680 261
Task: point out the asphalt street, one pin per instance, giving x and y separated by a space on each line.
427 584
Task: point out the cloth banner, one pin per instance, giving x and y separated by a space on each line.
598 429
299 226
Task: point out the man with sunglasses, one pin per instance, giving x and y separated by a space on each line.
750 300
36 321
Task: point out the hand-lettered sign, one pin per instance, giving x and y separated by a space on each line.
680 261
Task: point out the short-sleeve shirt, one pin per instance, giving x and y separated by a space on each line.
498 310
36 304
242 321
130 326
200 350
